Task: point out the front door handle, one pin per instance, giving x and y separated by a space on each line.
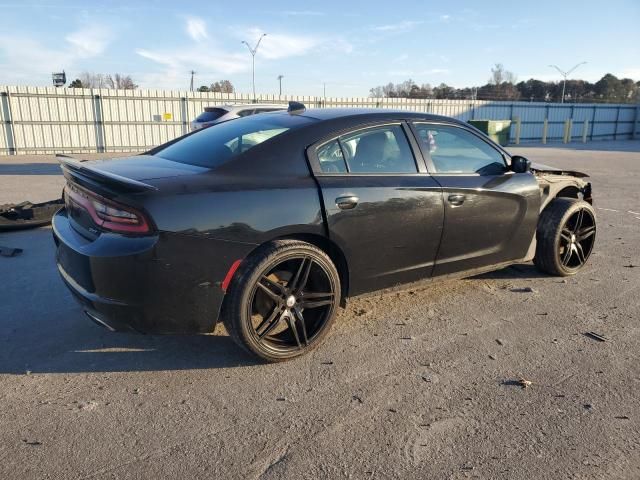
347 202
456 199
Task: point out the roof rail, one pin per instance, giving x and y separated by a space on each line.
296 107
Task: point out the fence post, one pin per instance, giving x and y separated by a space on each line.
545 129
567 131
99 123
518 126
185 112
593 122
8 123
634 135
615 129
585 129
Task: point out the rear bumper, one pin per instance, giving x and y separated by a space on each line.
167 283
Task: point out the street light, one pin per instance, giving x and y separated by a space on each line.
253 52
565 75
280 77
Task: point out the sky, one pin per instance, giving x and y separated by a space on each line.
345 47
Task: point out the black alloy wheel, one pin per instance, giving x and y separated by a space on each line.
566 236
283 301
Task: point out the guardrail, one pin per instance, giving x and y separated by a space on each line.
66 120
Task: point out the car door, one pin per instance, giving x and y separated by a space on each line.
382 208
491 212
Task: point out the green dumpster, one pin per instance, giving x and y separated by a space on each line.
496 130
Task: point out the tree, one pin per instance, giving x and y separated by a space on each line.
535 90
99 80
204 88
223 86
443 91
376 92
93 80
120 82
77 83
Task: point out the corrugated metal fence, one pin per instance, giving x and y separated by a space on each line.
50 120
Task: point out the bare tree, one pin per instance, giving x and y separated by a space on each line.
376 92
99 80
93 80
120 82
223 86
499 75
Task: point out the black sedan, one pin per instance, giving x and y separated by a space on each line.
270 222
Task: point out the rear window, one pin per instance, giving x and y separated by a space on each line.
211 114
221 142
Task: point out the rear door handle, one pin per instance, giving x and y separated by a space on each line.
456 199
347 202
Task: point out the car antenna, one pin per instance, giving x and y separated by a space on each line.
296 107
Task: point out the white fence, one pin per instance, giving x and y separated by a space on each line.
50 120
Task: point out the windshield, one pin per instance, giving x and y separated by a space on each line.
211 114
219 143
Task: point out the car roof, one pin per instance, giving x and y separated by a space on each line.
230 107
367 114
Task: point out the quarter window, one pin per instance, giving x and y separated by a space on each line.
374 150
331 158
455 150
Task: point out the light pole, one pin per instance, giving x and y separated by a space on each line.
253 52
280 77
192 74
565 75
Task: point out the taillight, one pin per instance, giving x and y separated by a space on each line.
107 214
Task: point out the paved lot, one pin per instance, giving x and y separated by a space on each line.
412 384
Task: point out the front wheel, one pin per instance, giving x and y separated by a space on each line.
283 300
565 236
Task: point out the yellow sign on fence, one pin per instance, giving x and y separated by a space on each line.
167 116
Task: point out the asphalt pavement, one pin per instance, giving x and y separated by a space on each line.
426 382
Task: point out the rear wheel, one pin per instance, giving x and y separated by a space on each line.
283 300
565 236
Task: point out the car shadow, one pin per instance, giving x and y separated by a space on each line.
43 330
30 169
85 348
519 271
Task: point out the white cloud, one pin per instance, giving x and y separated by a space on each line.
197 29
445 18
90 41
403 26
28 60
199 58
282 45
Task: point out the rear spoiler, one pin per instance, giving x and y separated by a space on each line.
72 165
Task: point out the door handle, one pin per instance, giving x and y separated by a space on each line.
456 199
347 202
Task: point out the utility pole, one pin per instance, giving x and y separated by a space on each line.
192 74
253 52
280 77
565 75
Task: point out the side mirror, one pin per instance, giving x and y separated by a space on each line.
520 164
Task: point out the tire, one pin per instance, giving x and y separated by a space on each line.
297 314
565 236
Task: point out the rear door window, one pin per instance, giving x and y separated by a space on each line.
383 149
